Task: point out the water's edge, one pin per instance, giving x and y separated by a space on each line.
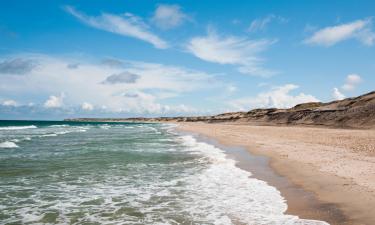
301 202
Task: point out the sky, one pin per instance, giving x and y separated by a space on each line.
65 59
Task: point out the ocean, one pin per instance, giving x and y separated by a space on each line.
55 172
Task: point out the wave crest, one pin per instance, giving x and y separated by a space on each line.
8 144
18 127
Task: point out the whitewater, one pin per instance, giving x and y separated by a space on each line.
126 173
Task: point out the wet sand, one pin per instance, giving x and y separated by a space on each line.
323 173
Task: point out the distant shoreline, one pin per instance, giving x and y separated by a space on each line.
340 176
354 113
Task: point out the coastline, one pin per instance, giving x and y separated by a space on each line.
312 189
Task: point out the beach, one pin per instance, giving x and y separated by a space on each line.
336 165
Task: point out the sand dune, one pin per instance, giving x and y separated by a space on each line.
358 112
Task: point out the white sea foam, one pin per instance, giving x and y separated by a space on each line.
64 132
48 135
8 144
106 126
81 130
18 127
60 131
227 194
63 125
206 188
152 129
170 128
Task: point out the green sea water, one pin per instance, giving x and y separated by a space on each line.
54 172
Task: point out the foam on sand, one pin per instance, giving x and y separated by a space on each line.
227 194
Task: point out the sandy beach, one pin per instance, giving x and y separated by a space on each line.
336 165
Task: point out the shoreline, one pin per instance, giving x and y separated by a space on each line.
311 192
301 203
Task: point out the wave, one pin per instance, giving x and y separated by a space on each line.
203 186
64 132
48 135
61 133
8 144
18 127
64 125
80 130
55 133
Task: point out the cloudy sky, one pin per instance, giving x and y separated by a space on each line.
113 58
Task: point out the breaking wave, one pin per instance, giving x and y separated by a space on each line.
18 127
8 144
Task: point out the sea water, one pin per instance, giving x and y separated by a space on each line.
126 173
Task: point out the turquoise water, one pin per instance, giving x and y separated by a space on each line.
125 173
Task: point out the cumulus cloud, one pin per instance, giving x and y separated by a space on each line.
72 66
125 25
360 30
154 82
238 51
54 101
168 16
16 66
337 95
351 82
10 103
124 77
260 24
112 62
87 106
278 97
231 88
130 95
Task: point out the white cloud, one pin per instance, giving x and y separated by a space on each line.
54 101
360 30
239 51
126 25
260 24
231 88
16 66
168 16
141 102
155 82
123 77
337 95
87 106
10 103
351 82
278 97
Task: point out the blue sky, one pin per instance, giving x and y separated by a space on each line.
115 58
